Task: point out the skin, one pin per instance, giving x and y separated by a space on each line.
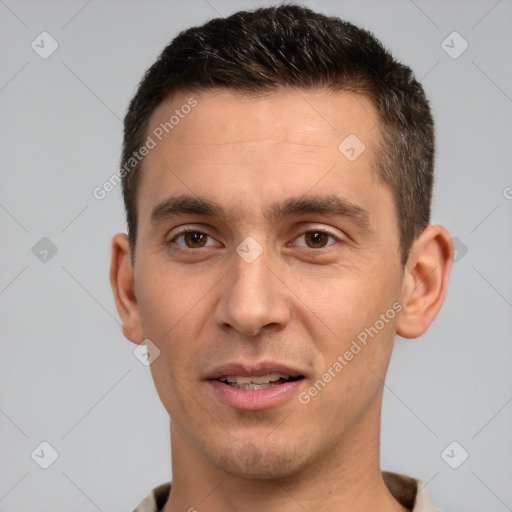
298 303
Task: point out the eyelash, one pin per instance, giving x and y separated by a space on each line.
316 230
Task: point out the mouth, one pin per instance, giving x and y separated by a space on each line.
257 386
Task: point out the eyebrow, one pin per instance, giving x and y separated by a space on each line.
303 205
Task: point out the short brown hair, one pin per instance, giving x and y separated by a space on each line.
292 46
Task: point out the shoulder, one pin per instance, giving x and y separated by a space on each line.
155 500
409 492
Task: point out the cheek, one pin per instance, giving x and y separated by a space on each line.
352 375
355 347
167 299
347 305
170 308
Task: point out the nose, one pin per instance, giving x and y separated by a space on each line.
253 297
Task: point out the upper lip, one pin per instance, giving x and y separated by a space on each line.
253 370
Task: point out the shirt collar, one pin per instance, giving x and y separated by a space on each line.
409 492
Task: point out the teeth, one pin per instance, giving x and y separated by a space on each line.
262 379
252 386
265 379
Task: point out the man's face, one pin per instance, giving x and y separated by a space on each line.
270 277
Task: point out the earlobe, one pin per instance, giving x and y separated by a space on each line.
425 281
123 287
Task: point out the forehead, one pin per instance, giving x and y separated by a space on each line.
315 117
240 149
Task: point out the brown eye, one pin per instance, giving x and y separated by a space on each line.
192 239
317 239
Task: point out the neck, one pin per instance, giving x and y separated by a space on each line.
345 478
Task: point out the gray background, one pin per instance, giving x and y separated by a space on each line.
68 376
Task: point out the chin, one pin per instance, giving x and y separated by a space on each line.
263 462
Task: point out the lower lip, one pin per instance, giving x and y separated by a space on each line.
254 399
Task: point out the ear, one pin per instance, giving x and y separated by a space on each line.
123 286
425 281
